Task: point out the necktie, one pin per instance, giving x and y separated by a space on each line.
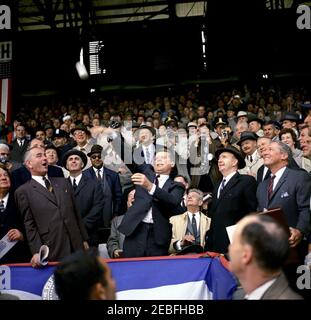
270 186
194 227
250 158
222 186
47 184
2 208
99 177
21 142
147 156
156 180
74 185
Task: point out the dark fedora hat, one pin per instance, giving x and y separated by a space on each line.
71 153
51 146
306 104
96 148
247 135
191 249
152 130
255 118
81 127
59 133
235 152
291 116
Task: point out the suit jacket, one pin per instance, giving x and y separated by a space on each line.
51 218
89 199
280 290
112 189
253 166
163 201
116 238
179 227
292 194
17 152
237 199
10 218
22 175
260 172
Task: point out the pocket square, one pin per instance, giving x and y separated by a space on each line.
284 194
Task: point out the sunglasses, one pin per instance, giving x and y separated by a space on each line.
96 156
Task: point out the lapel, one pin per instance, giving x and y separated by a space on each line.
204 226
168 183
37 187
232 182
81 185
279 184
184 224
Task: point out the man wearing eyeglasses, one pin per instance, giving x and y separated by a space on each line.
109 181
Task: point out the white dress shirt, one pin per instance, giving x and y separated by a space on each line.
162 179
40 180
78 178
278 176
5 200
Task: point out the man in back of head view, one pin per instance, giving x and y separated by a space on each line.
84 276
258 252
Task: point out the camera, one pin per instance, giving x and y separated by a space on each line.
224 134
114 124
111 136
3 159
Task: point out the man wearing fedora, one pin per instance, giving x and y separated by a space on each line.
109 181
255 125
82 137
61 141
290 121
248 145
242 116
88 193
233 198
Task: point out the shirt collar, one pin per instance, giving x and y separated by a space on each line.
5 200
190 214
260 291
78 178
279 173
229 176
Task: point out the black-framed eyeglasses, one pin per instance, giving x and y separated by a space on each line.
96 156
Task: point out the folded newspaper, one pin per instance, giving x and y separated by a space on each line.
43 255
6 245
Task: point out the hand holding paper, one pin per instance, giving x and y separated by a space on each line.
40 259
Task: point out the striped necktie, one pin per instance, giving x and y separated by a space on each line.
47 184
270 186
2 208
222 186
99 177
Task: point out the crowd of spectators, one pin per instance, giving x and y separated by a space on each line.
217 143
